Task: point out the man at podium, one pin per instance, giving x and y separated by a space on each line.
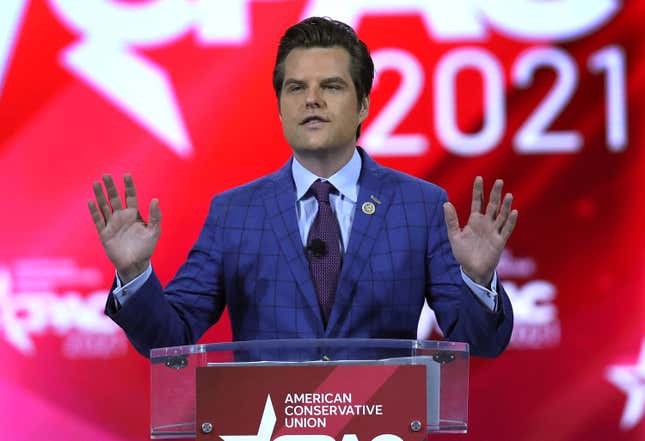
332 245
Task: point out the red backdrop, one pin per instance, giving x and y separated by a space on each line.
547 95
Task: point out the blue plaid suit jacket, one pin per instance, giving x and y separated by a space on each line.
249 257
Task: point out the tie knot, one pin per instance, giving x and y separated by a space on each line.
321 189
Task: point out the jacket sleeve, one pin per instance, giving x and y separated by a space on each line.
460 315
193 301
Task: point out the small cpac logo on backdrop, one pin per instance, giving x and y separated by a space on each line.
111 33
536 323
267 425
35 302
631 380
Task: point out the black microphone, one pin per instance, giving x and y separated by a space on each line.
317 247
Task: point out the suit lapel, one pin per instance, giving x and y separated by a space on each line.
364 233
279 200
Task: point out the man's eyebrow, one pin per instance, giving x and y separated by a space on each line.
329 80
293 81
334 80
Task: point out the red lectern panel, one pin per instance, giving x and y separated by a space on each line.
328 402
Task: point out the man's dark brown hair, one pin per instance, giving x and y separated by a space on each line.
325 32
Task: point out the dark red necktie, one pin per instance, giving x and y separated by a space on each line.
323 248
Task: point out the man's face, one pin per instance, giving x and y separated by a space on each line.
318 105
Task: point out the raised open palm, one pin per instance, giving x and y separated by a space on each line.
128 241
479 245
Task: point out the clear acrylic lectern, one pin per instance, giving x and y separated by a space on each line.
326 387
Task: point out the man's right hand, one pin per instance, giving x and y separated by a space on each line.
127 239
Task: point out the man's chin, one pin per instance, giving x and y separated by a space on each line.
312 146
319 149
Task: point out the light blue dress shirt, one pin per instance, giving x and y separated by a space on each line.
342 204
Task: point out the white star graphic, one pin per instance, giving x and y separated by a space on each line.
107 54
267 424
631 380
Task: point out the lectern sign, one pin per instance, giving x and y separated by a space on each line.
311 403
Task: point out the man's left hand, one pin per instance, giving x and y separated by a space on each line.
479 245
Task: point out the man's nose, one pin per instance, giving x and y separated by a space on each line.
313 98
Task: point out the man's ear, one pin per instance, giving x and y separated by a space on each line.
364 110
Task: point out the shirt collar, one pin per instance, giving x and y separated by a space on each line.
345 180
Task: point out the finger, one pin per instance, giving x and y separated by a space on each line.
99 223
131 196
509 226
450 216
495 199
504 212
154 216
101 201
113 194
130 192
478 195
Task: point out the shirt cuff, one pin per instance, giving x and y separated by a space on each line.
487 296
123 292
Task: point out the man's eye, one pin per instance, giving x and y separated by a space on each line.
295 88
332 86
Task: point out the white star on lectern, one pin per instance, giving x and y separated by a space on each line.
631 380
267 424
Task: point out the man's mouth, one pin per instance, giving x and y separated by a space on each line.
313 121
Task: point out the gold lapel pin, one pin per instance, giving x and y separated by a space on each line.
368 208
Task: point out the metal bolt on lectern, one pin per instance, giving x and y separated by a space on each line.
415 425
